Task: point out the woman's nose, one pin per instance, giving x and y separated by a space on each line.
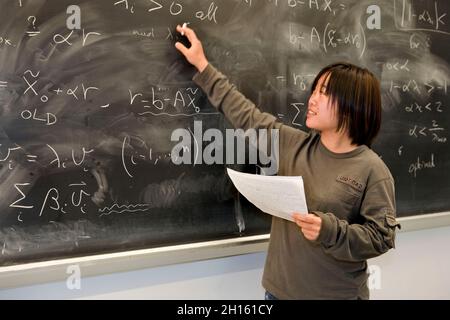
312 99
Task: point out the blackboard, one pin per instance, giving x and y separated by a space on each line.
87 113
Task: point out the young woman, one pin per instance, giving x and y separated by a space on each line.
349 190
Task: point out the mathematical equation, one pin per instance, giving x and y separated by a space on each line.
412 16
167 101
328 38
76 198
175 8
419 87
183 102
130 155
15 155
31 81
52 199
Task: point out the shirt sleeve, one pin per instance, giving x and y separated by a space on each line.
241 112
375 236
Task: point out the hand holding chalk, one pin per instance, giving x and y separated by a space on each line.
195 54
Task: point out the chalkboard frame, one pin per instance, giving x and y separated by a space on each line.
95 265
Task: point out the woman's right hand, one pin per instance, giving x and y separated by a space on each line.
195 54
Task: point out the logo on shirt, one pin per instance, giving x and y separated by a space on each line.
351 182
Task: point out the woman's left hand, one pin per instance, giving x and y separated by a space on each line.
309 224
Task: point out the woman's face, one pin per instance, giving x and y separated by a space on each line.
321 115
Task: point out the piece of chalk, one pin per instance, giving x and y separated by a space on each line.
184 26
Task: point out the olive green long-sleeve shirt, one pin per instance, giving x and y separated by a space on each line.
352 192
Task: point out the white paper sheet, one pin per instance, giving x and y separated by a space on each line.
276 195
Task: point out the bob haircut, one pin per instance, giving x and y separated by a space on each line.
355 91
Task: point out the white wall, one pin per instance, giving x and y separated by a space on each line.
418 269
